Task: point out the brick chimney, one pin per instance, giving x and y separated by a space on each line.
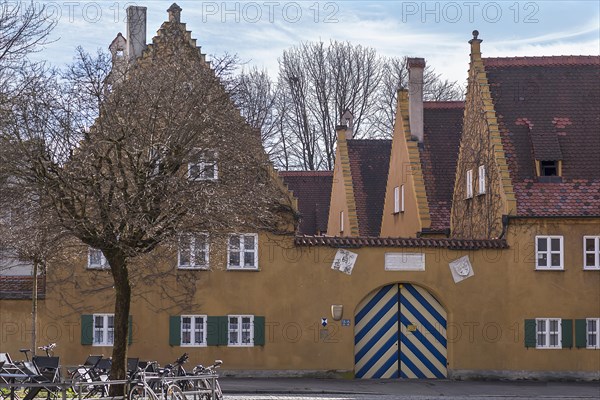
415 96
136 31
348 121
174 13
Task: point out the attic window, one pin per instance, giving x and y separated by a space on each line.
120 54
548 168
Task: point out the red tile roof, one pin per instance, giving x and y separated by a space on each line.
20 287
369 165
313 191
550 107
439 153
453 244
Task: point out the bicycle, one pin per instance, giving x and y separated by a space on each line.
206 383
142 389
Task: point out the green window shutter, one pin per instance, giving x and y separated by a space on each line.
567 333
259 331
223 330
130 331
216 331
87 329
580 333
174 330
530 328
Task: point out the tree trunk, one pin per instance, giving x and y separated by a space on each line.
34 303
118 266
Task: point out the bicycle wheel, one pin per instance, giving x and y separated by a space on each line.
218 391
174 392
136 393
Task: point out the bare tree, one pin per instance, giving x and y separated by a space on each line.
24 29
317 82
140 175
394 77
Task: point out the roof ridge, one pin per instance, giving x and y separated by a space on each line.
540 61
305 173
453 104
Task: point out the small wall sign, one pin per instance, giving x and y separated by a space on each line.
404 261
345 322
324 322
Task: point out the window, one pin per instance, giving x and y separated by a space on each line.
193 330
548 168
549 252
593 333
203 166
548 333
243 251
193 251
591 252
481 180
104 329
470 184
398 199
241 330
341 221
96 259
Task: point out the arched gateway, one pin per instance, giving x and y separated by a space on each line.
400 331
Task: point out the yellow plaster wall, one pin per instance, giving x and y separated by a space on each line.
295 287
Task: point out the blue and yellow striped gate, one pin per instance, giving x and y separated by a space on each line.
400 331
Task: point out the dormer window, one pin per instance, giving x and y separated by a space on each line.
548 168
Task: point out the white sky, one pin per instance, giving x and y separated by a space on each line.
259 31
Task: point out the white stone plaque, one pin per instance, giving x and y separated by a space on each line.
404 261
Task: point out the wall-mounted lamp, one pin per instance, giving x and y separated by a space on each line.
337 310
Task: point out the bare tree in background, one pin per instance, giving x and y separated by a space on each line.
24 29
394 77
169 153
317 82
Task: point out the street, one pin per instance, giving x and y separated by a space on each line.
338 389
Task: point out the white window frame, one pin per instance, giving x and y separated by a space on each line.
399 199
103 263
549 252
481 179
547 333
469 184
194 264
595 333
341 222
242 251
194 333
239 331
104 329
595 251
200 163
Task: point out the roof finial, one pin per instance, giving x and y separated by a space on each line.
174 13
475 46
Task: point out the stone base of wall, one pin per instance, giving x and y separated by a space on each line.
288 373
466 374
452 374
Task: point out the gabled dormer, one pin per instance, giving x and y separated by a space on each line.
422 162
483 190
358 188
